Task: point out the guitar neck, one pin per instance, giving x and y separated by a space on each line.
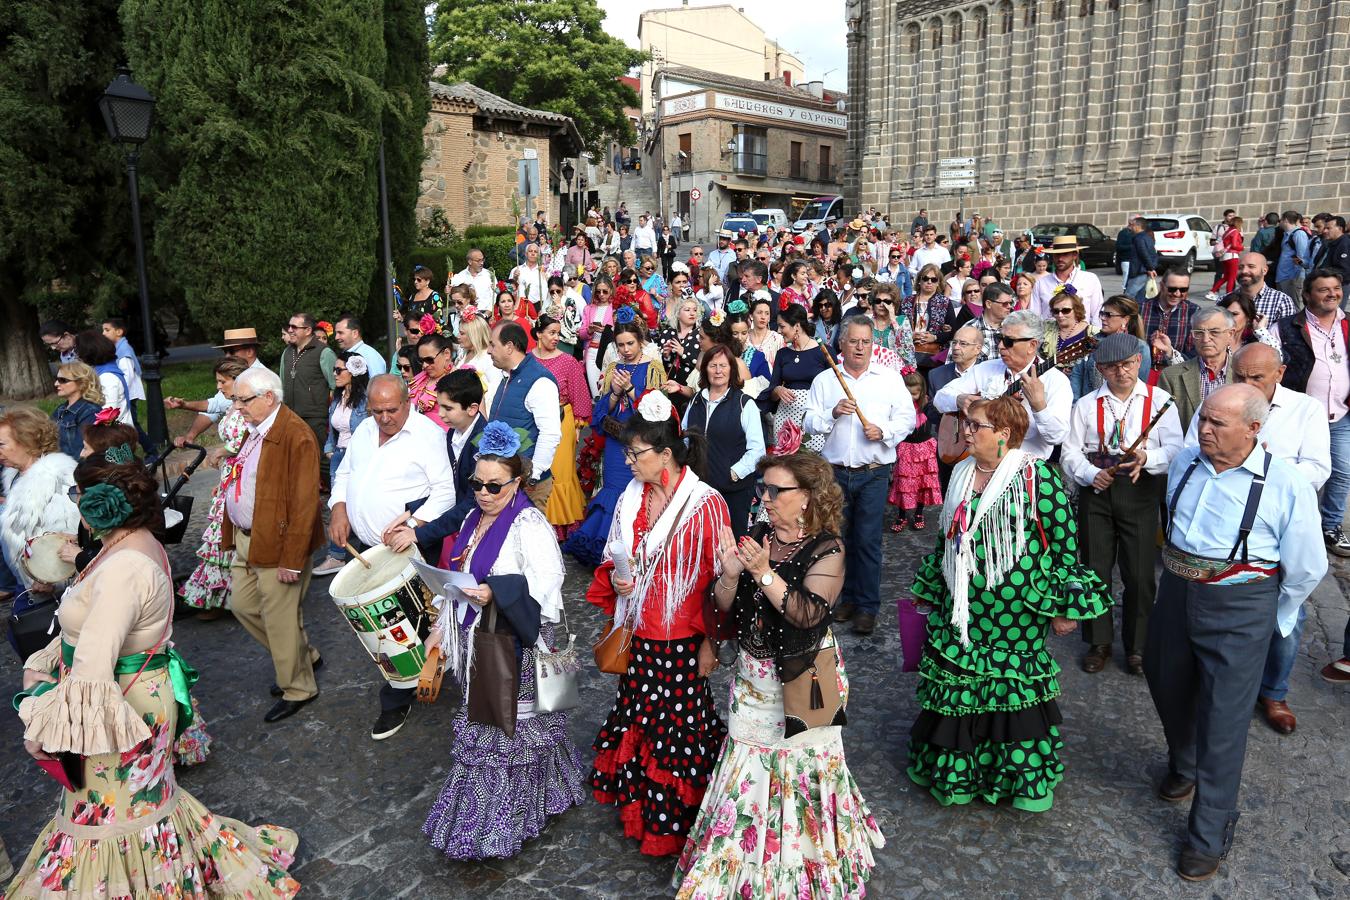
1042 366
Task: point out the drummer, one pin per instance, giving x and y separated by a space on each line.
395 463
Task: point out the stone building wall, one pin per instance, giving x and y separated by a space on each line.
1095 109
470 168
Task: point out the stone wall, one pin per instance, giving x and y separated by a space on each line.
1095 109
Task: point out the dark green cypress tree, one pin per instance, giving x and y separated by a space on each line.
266 190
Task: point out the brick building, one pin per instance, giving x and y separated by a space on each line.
474 141
743 143
1094 109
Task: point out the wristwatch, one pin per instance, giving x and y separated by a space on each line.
767 578
411 523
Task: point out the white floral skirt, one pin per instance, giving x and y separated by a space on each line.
782 819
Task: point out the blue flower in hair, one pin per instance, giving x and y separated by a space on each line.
737 308
498 439
624 314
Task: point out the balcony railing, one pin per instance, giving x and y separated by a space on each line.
797 168
683 166
750 163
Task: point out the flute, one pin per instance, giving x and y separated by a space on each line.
1143 436
844 384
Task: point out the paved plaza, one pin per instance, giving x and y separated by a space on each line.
359 805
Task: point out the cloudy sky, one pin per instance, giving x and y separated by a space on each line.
811 29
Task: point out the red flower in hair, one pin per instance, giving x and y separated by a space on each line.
469 314
107 415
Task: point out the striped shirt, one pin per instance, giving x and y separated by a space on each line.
1272 304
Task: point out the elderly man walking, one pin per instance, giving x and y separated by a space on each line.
1241 557
396 470
862 456
273 524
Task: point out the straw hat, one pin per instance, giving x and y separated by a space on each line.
1064 244
239 337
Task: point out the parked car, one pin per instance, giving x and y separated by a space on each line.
1099 251
1183 240
766 217
825 210
741 222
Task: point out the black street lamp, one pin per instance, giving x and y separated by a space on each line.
567 172
128 111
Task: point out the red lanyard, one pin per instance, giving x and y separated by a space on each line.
1118 429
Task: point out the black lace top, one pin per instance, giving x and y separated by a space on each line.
814 574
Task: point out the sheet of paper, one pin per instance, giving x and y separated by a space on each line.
446 583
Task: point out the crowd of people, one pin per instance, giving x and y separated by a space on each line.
723 439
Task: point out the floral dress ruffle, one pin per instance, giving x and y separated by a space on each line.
208 587
989 722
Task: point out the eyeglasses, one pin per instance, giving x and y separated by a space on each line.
338 371
62 380
1210 332
1010 342
1177 290
770 492
697 253
1107 314
244 401
1120 365
73 492
491 487
1063 311
291 326
966 343
427 359
601 292
632 455
555 290
974 292
972 425
405 367
895 256
857 342
929 279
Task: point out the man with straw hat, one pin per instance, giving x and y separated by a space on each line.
1068 279
241 343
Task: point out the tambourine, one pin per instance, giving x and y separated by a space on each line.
42 559
429 682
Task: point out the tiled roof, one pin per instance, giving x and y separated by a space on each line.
493 105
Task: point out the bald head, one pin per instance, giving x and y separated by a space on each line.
966 345
1251 277
1229 423
1260 366
387 403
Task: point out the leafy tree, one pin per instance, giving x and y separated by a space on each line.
544 54
271 112
63 227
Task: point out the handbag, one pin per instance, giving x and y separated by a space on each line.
613 650
495 678
555 675
811 699
32 628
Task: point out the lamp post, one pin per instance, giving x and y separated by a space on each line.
567 173
128 111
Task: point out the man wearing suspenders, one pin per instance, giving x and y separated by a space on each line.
1118 507
1222 592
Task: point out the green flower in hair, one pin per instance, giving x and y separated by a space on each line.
121 454
104 507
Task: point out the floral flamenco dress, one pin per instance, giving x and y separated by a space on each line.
208 587
131 830
1003 568
783 818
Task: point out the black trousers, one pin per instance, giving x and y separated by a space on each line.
1206 652
1119 526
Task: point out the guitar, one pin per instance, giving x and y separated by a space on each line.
951 439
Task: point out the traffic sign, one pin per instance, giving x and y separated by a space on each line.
956 173
955 183
956 162
695 194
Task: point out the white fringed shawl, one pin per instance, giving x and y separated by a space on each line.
1000 517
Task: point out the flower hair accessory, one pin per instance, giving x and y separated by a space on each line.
107 415
469 314
737 307
498 439
428 324
655 406
788 440
120 455
1066 289
356 365
624 314
104 507
327 327
717 318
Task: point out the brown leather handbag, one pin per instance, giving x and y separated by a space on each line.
613 651
812 698
495 678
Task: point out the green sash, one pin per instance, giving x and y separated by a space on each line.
181 675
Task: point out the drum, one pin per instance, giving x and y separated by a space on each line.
390 609
42 559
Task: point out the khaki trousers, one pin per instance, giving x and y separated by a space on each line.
540 493
273 613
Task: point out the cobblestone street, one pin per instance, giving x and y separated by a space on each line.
359 805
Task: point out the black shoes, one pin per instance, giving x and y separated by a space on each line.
1196 866
844 612
864 622
284 709
1175 788
276 691
389 723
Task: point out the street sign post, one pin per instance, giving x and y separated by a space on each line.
695 194
957 173
527 182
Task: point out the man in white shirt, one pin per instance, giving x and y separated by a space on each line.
483 282
1067 277
1295 431
1047 398
347 333
930 252
677 226
862 456
527 399
1120 493
395 462
531 279
644 238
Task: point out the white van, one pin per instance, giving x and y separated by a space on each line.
766 217
823 210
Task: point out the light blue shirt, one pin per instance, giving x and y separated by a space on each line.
751 424
124 350
374 361
720 260
1287 528
1287 268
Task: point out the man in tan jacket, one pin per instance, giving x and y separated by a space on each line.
272 522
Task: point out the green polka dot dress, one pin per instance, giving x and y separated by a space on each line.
988 725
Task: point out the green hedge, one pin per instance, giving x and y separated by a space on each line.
443 261
482 231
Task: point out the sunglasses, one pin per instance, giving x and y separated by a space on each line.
1177 290
491 487
293 327
427 359
338 371
895 256
62 380
929 279
405 367
972 293
770 492
555 290
1066 311
1010 342
74 493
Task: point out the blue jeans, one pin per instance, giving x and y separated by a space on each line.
1337 488
1134 286
864 509
1280 660
333 549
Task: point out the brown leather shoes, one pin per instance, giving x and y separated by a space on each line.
864 622
1096 658
844 612
1175 788
1278 715
1134 664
